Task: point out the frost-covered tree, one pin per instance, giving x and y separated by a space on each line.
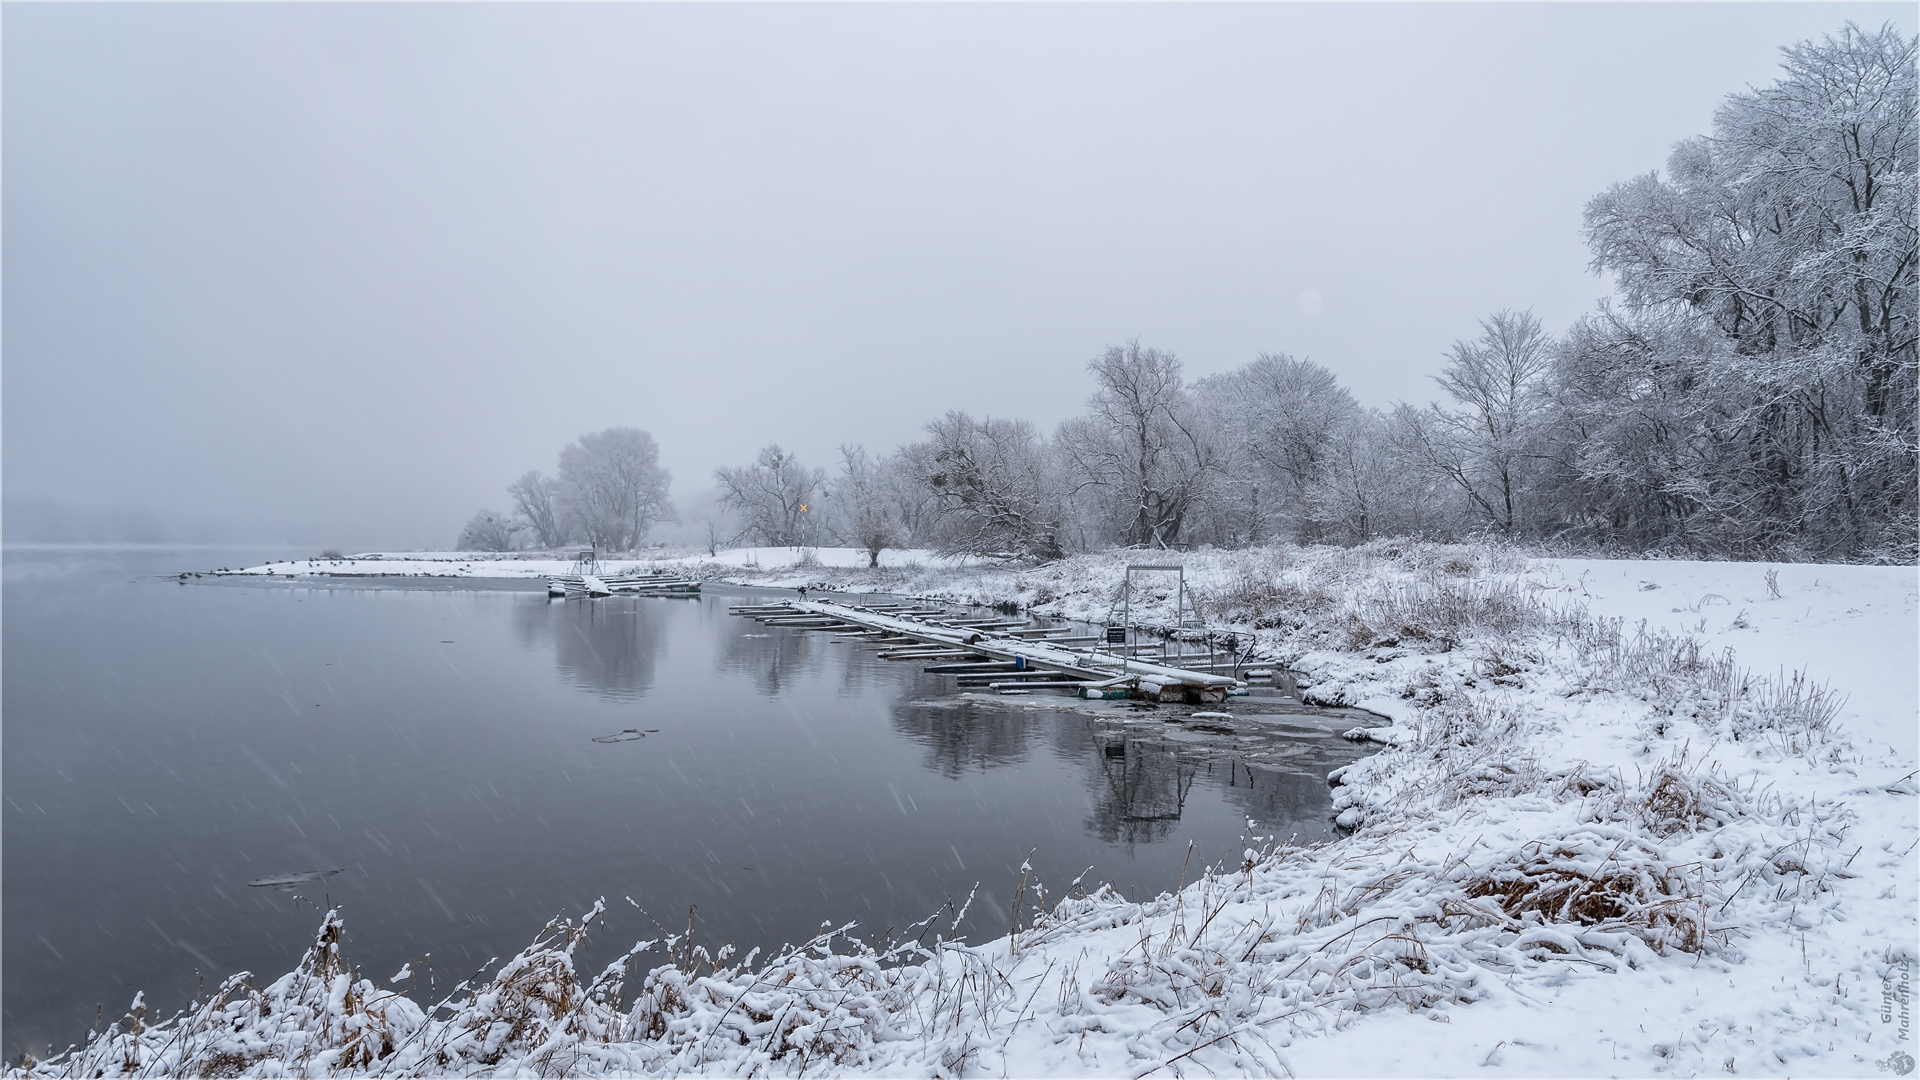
1790 231
487 530
774 497
613 488
1275 422
875 532
992 487
873 506
536 508
1363 488
1631 424
1144 458
1485 447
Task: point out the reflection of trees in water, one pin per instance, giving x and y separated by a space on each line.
1291 803
1140 785
608 646
1139 792
964 739
772 659
867 674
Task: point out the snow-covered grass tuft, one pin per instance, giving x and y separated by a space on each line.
810 1004
319 1018
1677 797
1673 672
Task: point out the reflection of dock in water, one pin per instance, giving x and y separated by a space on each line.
1002 654
1144 792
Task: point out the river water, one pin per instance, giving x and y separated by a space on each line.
167 743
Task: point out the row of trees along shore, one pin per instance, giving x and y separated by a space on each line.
1751 393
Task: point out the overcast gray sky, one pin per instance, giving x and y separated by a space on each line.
339 273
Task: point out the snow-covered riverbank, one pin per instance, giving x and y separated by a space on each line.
1632 818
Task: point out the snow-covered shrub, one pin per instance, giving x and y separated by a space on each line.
1469 720
1259 591
535 1008
1658 666
1435 615
1676 798
1790 709
1673 673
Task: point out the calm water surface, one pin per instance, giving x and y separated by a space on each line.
166 744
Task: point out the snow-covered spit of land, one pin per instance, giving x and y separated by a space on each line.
775 566
1631 818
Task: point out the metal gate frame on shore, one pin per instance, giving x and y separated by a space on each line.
1181 609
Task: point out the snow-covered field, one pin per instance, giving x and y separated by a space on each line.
1632 818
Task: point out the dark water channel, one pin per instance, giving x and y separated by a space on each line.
167 744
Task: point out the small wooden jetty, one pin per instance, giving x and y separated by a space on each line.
1008 655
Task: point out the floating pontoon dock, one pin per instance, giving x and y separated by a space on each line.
631 584
1000 654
